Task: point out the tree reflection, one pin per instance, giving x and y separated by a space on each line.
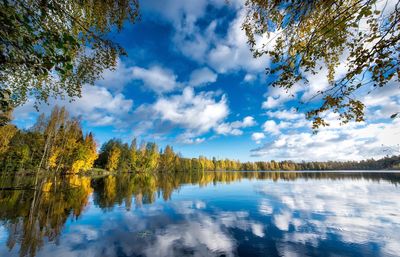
34 210
35 213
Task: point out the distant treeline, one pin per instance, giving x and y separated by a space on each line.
57 143
118 156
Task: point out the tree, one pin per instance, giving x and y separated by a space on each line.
133 154
53 129
7 133
321 34
113 158
65 148
85 155
68 146
52 48
5 107
105 153
152 156
167 159
91 155
125 158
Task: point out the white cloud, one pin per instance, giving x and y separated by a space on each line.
248 121
116 79
227 129
277 97
192 42
180 12
98 106
319 82
156 78
198 113
191 141
286 114
257 136
271 127
105 110
249 77
353 141
234 128
272 102
192 114
233 53
202 77
383 102
205 45
287 120
337 142
188 37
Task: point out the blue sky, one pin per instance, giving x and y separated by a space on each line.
189 80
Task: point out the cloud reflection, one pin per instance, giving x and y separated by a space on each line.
292 216
359 212
170 229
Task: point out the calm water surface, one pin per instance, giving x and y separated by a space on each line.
202 214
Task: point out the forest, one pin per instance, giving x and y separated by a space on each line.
57 144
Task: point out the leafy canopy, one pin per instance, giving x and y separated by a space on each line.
313 35
53 47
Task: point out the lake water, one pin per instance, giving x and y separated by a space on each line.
202 214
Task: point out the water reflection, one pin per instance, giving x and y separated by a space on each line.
33 209
362 215
201 214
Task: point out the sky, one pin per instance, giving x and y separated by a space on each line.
190 81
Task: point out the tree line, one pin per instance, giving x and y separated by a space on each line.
117 156
57 143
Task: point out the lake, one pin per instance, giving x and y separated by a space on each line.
202 214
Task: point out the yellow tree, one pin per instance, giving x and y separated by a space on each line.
167 159
85 155
90 153
113 158
69 145
133 155
152 155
